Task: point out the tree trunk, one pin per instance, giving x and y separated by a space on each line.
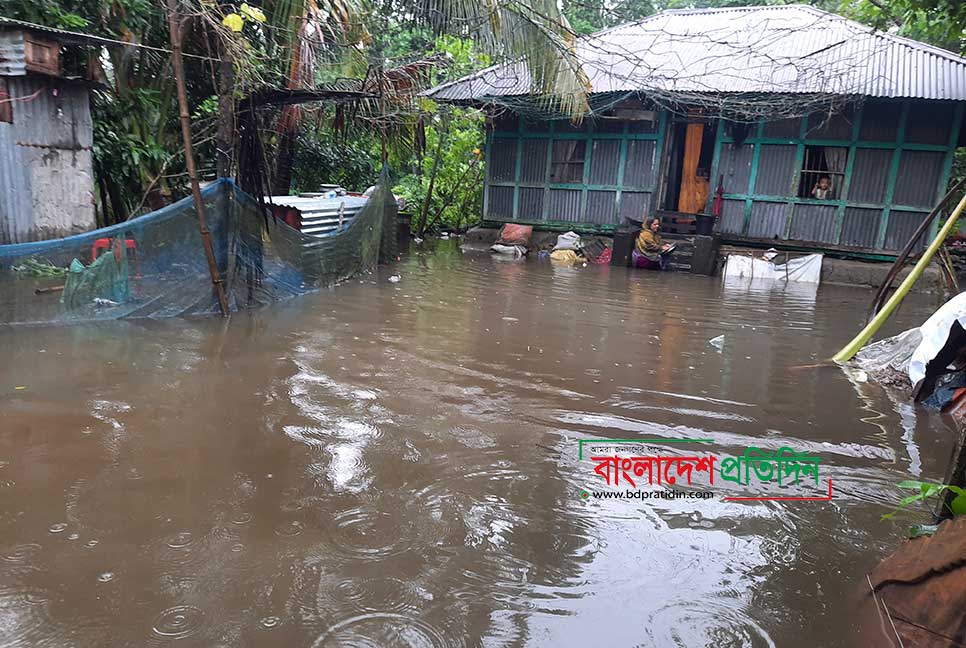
284 159
424 212
225 138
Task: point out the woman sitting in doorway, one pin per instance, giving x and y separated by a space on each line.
650 251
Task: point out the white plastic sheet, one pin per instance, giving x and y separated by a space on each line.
508 250
935 332
806 269
891 353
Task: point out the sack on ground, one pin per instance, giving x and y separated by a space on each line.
514 234
566 257
568 241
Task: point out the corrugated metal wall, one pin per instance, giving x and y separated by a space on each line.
500 203
860 227
870 175
789 128
602 207
14 189
564 205
902 225
502 162
880 122
736 167
853 217
604 162
836 127
919 172
812 223
931 124
531 203
732 217
767 220
639 167
533 163
12 59
635 205
46 167
776 168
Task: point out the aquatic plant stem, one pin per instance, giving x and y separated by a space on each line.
866 333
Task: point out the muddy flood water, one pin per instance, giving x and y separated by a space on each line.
397 464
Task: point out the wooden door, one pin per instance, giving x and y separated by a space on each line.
694 188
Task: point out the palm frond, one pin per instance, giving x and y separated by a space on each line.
534 31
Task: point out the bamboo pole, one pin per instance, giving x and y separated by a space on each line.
880 296
866 333
175 30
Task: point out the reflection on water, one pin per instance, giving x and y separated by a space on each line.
395 464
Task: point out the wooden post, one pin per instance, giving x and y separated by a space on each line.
178 65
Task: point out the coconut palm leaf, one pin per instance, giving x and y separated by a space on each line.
535 31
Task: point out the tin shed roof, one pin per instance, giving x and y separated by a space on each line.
790 49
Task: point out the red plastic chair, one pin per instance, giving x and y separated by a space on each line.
104 244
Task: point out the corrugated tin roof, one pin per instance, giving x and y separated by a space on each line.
319 203
794 49
63 36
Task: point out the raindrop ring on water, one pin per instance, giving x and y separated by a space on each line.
178 622
369 534
270 622
382 630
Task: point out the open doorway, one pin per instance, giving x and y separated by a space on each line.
689 167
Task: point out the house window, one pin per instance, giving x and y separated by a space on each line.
6 105
823 172
567 161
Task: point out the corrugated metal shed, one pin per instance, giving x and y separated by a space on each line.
774 49
46 171
322 216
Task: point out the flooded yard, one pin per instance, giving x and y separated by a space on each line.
396 464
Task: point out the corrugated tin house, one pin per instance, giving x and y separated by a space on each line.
821 131
46 175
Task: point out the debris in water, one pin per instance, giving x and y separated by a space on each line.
395 279
717 342
100 302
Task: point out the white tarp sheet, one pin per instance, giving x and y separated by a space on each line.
806 269
935 332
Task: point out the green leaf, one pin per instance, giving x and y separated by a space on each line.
958 505
911 484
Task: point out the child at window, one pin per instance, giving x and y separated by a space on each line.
822 188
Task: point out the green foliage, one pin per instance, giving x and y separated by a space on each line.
450 174
928 490
325 157
938 22
443 187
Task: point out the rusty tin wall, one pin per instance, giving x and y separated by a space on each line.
46 170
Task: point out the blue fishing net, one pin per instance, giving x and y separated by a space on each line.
154 266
